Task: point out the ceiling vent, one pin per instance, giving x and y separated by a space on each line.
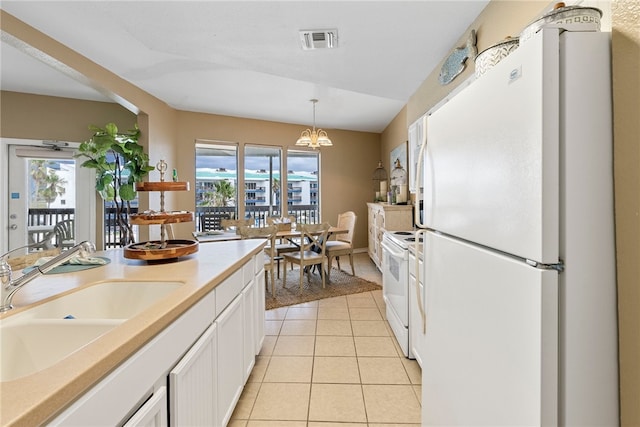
319 39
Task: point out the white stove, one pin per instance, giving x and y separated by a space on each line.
403 239
395 283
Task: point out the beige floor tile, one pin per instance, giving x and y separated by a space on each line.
294 346
272 327
337 402
336 370
365 313
335 302
393 425
268 344
334 346
394 340
276 313
259 369
282 401
298 327
369 328
418 391
333 313
246 401
279 423
237 423
375 346
289 369
362 300
308 304
391 404
330 424
302 313
333 327
382 370
413 370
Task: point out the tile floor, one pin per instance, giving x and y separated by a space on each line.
332 362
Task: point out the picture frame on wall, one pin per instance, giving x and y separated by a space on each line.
400 152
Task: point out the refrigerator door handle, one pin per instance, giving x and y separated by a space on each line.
421 306
416 206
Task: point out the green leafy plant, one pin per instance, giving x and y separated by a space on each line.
120 162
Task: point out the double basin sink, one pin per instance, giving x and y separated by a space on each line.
40 336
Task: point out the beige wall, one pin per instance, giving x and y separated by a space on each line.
626 146
345 168
38 117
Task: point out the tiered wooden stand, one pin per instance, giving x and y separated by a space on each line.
163 248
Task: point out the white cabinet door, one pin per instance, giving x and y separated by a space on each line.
192 383
153 413
416 329
259 313
230 360
249 329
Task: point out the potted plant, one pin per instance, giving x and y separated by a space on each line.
119 162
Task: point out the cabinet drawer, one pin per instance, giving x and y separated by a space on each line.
228 290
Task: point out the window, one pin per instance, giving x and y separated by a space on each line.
216 180
262 182
303 191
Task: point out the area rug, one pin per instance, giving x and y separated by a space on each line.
341 283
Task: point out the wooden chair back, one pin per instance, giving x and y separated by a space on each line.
212 221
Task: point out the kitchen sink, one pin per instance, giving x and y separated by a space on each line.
105 300
39 337
36 344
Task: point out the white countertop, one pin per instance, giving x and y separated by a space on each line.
33 399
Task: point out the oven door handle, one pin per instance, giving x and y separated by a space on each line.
401 254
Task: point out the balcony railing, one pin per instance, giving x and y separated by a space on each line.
304 214
307 214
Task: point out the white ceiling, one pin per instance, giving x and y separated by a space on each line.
244 58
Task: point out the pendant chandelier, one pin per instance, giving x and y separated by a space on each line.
314 138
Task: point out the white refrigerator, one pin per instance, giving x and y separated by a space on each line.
519 258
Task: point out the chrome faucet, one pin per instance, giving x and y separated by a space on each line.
10 286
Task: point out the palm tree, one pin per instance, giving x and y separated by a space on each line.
48 185
225 192
54 187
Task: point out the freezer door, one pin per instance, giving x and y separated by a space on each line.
490 354
492 157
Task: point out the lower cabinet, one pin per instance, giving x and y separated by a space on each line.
230 359
193 384
204 358
417 336
153 413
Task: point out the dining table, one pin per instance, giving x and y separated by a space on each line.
225 235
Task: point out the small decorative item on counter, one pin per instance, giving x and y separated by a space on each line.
570 18
399 184
380 183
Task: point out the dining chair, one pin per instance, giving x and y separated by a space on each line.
235 224
313 238
212 221
282 245
65 234
269 233
343 244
